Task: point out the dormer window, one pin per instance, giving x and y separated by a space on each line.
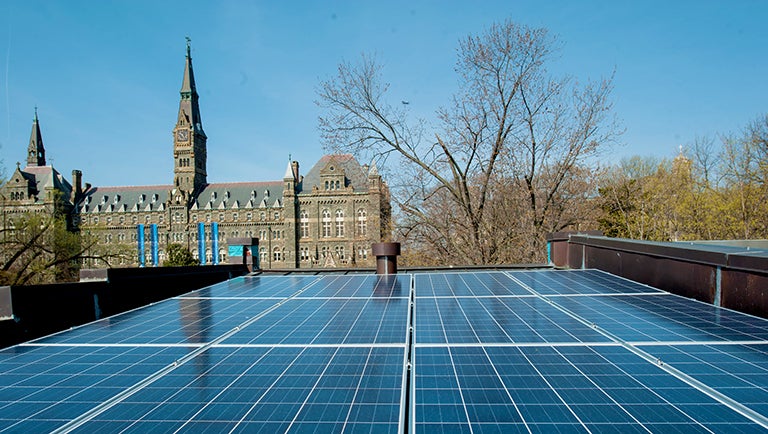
266 193
117 198
253 194
104 199
154 198
213 196
141 198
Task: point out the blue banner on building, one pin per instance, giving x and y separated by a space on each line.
154 245
201 242
140 238
215 243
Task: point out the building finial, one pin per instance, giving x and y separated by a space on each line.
35 113
189 42
289 156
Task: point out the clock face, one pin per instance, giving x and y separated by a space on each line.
182 134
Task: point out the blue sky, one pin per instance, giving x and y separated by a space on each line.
105 75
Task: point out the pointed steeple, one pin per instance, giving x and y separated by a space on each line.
189 97
289 171
36 151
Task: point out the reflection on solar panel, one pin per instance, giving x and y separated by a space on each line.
527 351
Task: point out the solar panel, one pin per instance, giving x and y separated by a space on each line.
522 351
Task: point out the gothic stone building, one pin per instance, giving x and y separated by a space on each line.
326 218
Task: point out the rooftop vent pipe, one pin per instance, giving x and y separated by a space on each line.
386 257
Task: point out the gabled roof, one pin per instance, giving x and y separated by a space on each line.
46 177
355 176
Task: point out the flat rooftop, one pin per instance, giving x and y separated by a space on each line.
464 351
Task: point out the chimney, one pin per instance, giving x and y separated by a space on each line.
77 185
295 169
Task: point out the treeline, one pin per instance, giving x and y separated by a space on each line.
715 189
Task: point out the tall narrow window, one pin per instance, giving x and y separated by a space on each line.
304 224
326 223
339 223
362 222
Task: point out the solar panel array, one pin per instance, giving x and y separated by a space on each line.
522 351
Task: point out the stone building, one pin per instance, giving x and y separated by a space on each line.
327 218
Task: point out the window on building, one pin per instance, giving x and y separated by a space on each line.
222 256
362 222
194 218
262 216
324 251
234 216
160 218
340 252
277 254
109 220
304 224
304 253
263 255
362 252
339 223
326 223
249 216
208 218
277 215
221 216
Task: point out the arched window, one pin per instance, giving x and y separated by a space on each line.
277 254
304 224
326 223
339 223
362 222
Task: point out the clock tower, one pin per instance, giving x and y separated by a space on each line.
189 139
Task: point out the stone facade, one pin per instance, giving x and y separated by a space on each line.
328 218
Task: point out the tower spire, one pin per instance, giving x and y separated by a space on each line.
189 148
35 150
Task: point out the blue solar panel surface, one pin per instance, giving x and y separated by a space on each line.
523 351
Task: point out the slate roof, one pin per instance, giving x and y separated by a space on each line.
236 195
47 177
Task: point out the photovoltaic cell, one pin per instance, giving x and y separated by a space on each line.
497 320
177 321
665 318
522 351
41 388
573 282
324 389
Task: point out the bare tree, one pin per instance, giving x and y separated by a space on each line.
37 248
499 168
